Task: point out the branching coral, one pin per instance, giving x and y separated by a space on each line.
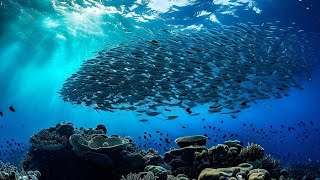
251 153
272 165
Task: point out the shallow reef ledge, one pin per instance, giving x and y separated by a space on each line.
67 152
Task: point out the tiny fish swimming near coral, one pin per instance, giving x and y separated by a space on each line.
231 66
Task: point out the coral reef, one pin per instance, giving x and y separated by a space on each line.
152 157
52 139
158 171
65 152
182 161
309 170
258 174
107 152
140 176
9 172
272 165
63 162
251 153
151 176
86 154
196 140
225 173
225 155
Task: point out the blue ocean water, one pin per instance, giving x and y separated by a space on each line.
43 42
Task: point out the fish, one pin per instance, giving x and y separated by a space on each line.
188 110
153 113
143 120
11 108
155 42
184 69
172 117
231 112
195 114
1 114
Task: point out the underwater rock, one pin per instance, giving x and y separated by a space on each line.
196 140
258 174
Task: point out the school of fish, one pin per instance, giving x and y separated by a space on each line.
230 67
